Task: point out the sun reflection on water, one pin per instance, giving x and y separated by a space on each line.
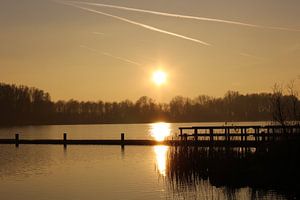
159 131
161 158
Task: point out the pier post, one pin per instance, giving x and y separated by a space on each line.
185 137
242 134
263 136
122 139
180 133
274 134
228 134
65 139
245 133
17 139
211 134
256 135
196 134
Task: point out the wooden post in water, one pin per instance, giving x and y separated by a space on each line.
180 133
263 136
273 134
65 140
245 133
255 134
185 137
17 139
211 134
122 139
196 134
228 134
242 134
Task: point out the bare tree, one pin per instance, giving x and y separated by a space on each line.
284 107
293 102
278 105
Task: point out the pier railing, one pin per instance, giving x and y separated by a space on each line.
238 133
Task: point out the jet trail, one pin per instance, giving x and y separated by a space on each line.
112 56
186 16
141 24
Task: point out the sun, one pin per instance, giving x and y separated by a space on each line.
159 77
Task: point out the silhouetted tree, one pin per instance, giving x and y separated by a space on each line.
21 105
285 107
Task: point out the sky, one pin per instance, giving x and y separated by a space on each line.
108 49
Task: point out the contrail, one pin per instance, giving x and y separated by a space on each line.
186 16
141 25
112 56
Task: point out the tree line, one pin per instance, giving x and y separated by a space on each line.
22 105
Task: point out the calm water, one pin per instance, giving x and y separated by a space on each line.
101 172
107 131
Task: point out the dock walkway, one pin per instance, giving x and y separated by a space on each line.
239 133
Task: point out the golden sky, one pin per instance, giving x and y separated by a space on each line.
109 49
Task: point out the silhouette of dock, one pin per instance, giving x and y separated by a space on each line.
239 133
204 136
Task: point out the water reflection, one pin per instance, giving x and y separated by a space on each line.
161 158
159 131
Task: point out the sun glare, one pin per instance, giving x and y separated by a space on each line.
159 131
159 77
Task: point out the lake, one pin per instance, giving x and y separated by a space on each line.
105 172
106 131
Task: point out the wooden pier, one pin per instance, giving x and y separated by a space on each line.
239 133
204 136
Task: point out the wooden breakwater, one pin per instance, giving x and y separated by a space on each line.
132 142
65 141
205 136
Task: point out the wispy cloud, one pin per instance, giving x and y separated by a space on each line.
186 16
111 56
98 33
251 56
141 24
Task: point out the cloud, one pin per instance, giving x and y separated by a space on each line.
112 56
251 56
98 33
